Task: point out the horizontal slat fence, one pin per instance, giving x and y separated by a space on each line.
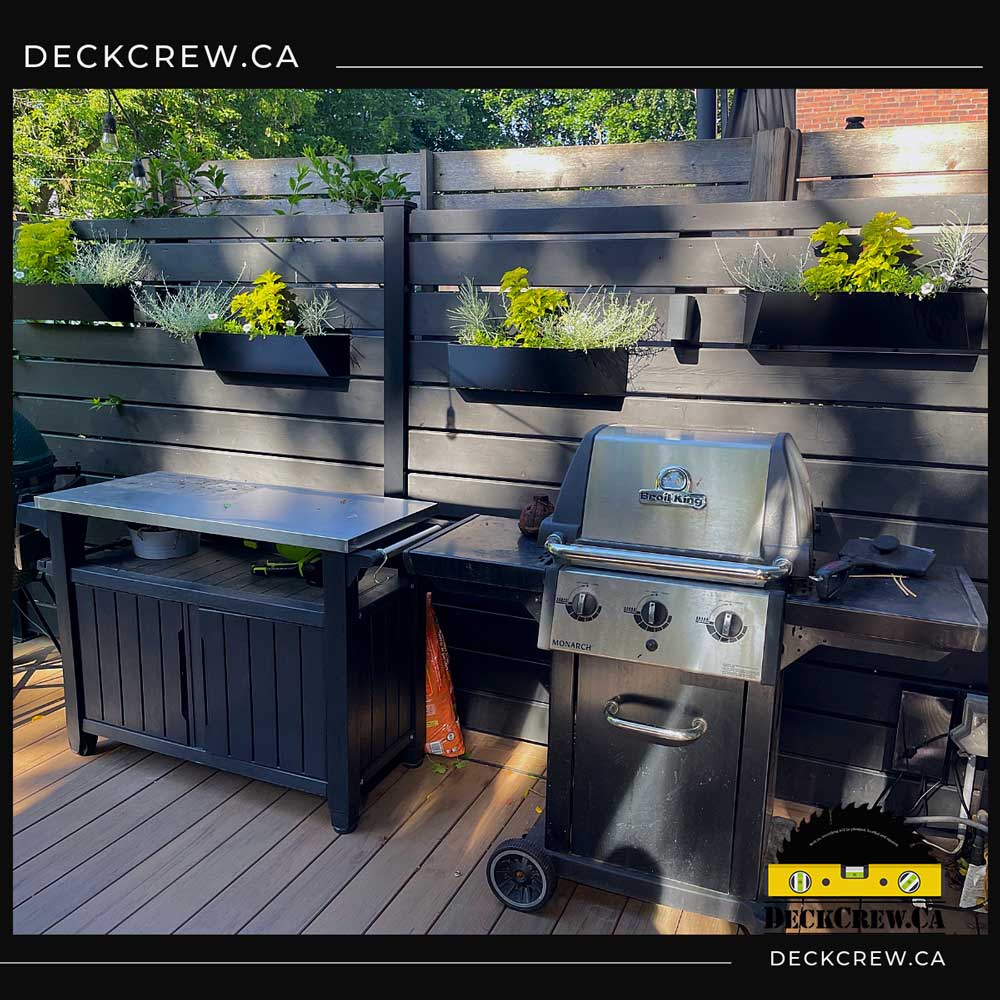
855 163
176 415
893 442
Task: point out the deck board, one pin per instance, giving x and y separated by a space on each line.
127 841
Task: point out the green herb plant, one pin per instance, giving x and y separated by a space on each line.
106 403
318 315
268 309
42 251
544 317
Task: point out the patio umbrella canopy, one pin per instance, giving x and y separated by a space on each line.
755 109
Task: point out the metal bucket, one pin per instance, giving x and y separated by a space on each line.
150 542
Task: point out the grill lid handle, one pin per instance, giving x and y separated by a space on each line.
666 564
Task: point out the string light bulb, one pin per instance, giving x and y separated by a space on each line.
140 179
109 133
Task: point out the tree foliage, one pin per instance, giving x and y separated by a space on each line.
59 167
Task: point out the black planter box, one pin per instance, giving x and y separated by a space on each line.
327 356
865 320
87 303
602 372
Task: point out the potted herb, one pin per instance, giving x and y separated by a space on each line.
59 277
257 335
868 296
544 344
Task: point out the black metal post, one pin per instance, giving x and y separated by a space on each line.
340 678
704 113
67 534
396 334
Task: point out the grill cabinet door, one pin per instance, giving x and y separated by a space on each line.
666 811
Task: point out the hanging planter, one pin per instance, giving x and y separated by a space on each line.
323 356
527 370
860 321
86 303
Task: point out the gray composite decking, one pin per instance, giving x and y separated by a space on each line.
128 841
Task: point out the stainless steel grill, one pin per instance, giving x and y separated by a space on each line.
669 547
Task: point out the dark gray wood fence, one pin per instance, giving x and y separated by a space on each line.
892 443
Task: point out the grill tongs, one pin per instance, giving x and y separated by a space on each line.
884 552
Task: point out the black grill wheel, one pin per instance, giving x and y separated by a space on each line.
521 875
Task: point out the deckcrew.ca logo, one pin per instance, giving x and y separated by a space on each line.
143 55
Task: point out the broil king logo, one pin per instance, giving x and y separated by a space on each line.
672 489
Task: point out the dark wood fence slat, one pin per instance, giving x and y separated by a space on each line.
680 262
857 432
148 346
128 458
671 218
193 387
295 262
737 373
230 226
899 490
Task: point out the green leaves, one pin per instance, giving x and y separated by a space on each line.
527 307
42 250
106 403
268 309
360 189
879 266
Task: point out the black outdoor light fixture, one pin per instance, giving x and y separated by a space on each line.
139 177
109 131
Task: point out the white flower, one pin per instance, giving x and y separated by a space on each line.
19 275
246 327
213 316
927 288
289 323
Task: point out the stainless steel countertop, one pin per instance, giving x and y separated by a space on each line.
333 522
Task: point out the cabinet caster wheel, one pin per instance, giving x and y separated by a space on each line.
521 875
88 745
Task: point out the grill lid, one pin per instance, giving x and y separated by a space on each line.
726 496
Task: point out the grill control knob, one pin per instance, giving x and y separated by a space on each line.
728 625
583 606
652 615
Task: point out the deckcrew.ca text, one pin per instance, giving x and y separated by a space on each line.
157 56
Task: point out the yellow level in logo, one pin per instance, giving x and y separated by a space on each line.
853 881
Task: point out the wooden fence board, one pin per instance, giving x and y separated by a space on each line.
896 490
900 150
128 458
190 227
726 372
295 437
610 165
853 432
317 261
149 346
667 194
194 387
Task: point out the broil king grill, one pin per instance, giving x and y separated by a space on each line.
663 609
680 586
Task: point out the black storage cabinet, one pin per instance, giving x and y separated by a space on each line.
322 692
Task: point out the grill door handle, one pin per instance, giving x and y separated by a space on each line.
665 737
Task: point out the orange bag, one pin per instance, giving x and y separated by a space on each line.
444 735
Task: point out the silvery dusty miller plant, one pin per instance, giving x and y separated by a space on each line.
112 263
759 272
318 315
956 245
190 310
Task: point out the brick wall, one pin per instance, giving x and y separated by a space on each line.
816 110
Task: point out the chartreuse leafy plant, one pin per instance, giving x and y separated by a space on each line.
268 309
883 262
544 317
42 251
